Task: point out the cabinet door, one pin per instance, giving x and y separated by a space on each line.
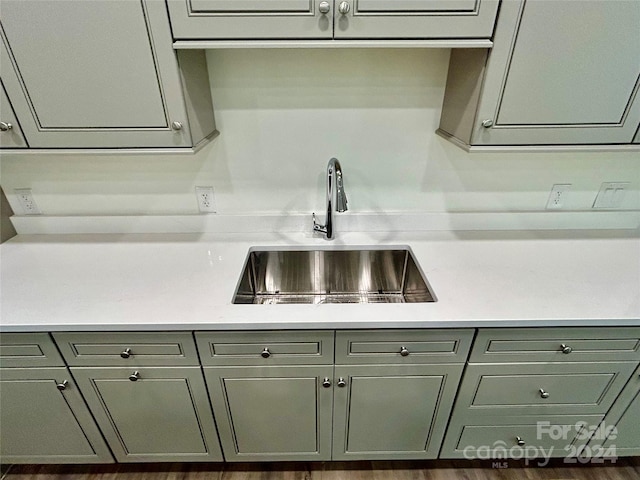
624 415
10 132
562 73
92 74
392 412
401 19
250 19
272 413
43 424
153 414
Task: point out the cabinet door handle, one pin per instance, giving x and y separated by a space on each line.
566 349
341 382
265 353
134 376
126 353
520 441
344 8
176 126
5 127
543 394
62 386
488 123
326 383
404 352
324 7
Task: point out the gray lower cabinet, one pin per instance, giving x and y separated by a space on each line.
151 413
273 413
539 392
559 73
43 418
339 19
101 74
624 440
392 411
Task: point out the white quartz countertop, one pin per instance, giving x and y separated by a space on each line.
187 281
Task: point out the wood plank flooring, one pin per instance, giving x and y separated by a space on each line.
624 469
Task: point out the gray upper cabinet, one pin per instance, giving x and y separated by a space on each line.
10 132
327 19
415 18
100 74
559 73
255 19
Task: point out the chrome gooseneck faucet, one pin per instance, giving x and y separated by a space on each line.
335 196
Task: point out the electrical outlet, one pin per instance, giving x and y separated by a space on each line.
28 204
557 196
610 195
206 200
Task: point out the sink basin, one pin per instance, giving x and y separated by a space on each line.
332 276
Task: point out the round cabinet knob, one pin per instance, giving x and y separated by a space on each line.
566 349
520 441
324 7
176 126
488 123
341 382
543 394
126 353
326 383
134 376
403 351
62 386
344 8
5 127
266 353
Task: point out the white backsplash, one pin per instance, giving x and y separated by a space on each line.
283 113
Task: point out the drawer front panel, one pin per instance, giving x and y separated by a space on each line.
541 389
556 345
521 390
127 349
519 437
266 348
28 350
402 346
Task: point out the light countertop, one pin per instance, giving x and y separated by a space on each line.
187 281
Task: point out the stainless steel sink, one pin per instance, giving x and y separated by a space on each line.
332 276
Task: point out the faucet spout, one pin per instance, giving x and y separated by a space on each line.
336 196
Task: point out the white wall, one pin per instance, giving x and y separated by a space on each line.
283 113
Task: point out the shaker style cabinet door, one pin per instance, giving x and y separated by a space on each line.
251 19
392 411
565 73
154 414
415 19
43 419
10 132
272 413
92 74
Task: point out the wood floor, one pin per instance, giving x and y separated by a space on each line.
624 469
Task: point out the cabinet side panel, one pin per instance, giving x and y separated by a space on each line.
197 93
462 94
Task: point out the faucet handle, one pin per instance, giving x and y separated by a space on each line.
317 227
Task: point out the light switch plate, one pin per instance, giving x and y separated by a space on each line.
610 195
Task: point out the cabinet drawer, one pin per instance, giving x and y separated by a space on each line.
516 437
556 345
534 389
265 348
402 346
28 350
127 348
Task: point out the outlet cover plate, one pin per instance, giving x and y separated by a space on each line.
611 195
